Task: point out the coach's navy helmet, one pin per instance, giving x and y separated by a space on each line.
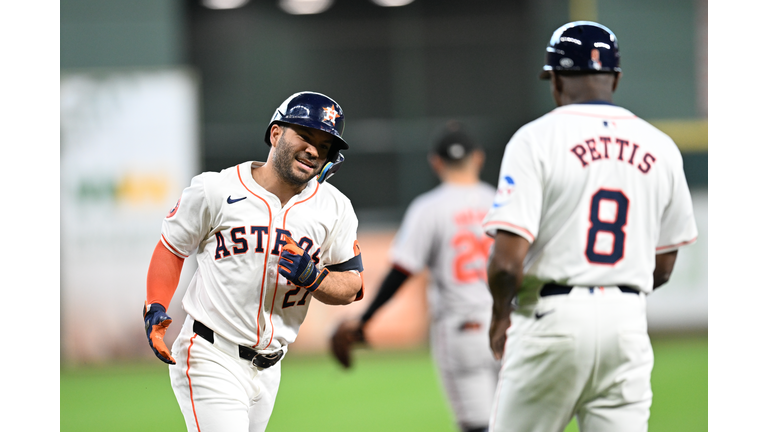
312 110
582 46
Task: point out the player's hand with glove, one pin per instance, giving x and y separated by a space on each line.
297 266
347 334
156 322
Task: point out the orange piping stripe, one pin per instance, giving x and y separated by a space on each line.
189 380
509 224
285 218
165 241
266 255
677 245
272 308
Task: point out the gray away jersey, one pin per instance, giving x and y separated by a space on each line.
442 231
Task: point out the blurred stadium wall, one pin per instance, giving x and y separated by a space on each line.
155 91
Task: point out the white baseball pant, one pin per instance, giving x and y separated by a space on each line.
218 391
587 354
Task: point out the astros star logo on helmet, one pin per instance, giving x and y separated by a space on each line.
595 57
331 115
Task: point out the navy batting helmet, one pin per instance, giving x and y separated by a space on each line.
312 110
582 46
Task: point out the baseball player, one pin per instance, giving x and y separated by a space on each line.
442 232
591 207
269 238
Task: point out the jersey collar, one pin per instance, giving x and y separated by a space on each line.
595 102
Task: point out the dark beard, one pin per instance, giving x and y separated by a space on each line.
283 160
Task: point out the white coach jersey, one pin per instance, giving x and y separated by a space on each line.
598 192
442 230
238 229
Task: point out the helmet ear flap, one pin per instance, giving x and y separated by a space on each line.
330 168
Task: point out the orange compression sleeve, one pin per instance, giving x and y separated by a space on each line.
163 275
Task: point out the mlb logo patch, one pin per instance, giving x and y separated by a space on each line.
173 210
504 192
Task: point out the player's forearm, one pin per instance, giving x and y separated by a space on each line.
339 288
505 270
395 278
163 276
664 264
504 284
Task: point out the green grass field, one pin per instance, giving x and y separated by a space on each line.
385 391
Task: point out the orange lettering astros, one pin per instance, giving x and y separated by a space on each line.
608 148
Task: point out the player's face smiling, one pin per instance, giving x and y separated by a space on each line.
300 153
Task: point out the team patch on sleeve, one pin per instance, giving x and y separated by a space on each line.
173 210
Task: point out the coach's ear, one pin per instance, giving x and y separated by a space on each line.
556 88
616 81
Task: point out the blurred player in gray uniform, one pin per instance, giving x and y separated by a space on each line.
442 232
591 208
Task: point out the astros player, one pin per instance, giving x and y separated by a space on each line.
269 237
442 231
591 208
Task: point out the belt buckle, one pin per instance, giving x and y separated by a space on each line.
265 360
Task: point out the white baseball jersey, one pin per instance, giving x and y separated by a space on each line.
442 230
598 192
238 228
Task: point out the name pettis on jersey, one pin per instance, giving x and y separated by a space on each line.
237 240
590 151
